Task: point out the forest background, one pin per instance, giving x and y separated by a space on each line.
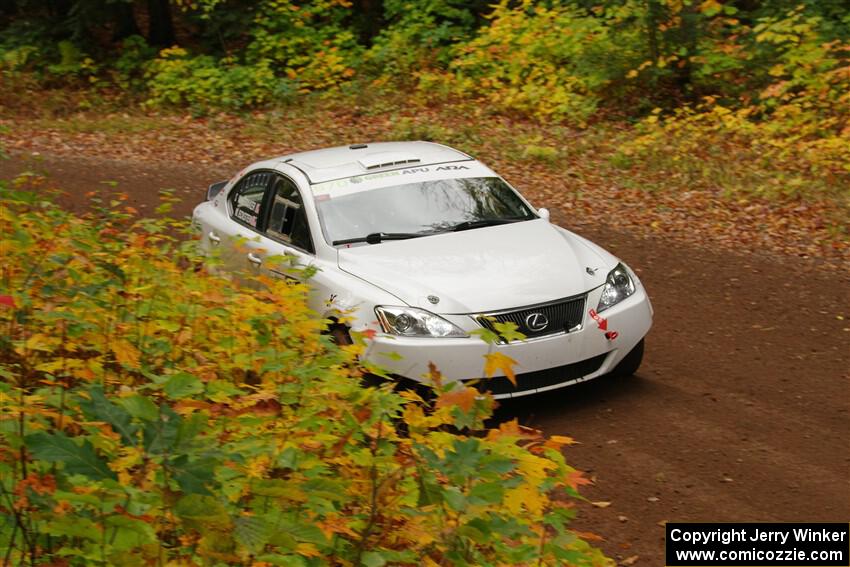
724 123
738 109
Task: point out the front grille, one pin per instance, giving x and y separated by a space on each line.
540 378
560 316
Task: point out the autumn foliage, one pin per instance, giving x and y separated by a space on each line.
739 104
154 414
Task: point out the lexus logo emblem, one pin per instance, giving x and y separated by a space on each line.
536 322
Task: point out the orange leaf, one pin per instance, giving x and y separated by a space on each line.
463 398
497 361
435 376
307 550
575 479
589 536
512 428
362 414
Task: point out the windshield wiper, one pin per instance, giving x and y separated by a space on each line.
378 237
466 225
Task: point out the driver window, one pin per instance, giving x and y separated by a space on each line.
288 220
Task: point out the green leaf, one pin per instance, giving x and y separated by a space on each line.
391 355
101 409
78 459
128 533
486 493
283 541
161 435
492 465
140 407
300 532
218 389
373 559
454 498
113 269
253 533
181 385
285 560
193 477
202 512
429 493
189 429
486 335
472 533
72 526
508 331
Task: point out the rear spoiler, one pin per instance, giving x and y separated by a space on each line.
215 189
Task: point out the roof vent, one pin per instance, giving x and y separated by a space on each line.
387 159
357 146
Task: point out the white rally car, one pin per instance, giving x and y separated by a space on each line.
421 245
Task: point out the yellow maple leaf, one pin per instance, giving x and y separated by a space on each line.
525 496
51 366
561 440
257 467
126 353
497 361
40 342
130 457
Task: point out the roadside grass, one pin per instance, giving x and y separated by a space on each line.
721 192
110 124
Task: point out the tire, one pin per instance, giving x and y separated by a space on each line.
339 334
631 362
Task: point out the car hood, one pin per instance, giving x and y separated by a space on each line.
481 270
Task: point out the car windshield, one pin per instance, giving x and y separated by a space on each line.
420 209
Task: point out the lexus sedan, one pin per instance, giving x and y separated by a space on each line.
422 247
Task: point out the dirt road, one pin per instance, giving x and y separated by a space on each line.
741 411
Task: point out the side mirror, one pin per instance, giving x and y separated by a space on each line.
543 213
215 189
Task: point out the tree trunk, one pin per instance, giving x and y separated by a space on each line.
369 18
160 28
124 21
652 29
8 7
688 35
58 9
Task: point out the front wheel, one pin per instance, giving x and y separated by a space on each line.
630 364
339 334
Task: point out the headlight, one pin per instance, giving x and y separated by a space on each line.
618 286
413 322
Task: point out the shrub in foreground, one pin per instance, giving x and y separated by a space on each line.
151 413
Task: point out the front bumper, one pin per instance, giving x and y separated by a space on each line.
540 363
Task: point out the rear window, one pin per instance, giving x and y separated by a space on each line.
248 196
